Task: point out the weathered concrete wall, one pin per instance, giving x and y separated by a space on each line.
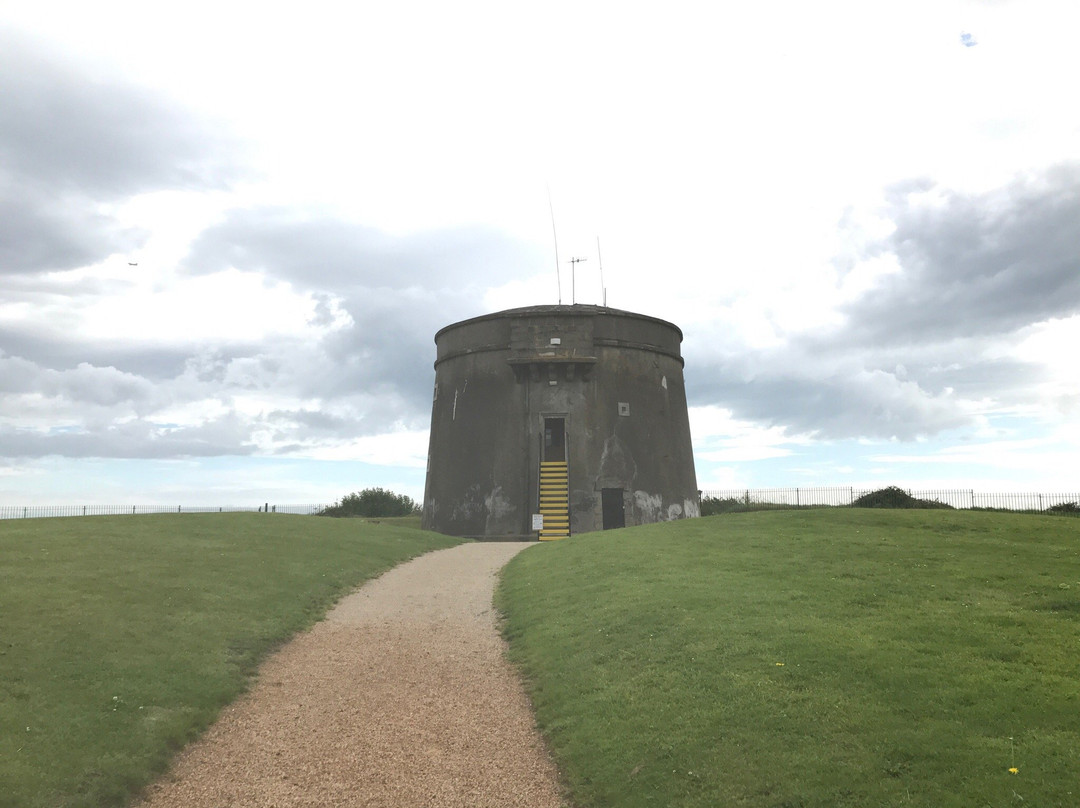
616 378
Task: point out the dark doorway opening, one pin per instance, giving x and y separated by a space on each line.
555 439
611 500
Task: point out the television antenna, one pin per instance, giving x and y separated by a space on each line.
573 262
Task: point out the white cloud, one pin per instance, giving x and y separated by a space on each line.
1045 463
721 438
394 449
865 229
226 306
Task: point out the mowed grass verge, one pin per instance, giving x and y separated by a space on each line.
122 637
805 659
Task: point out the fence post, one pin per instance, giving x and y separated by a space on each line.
178 509
796 496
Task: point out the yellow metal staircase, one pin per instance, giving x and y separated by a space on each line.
554 500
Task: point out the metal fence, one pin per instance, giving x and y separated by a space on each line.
40 511
957 498
757 498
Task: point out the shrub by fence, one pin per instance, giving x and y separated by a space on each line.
742 499
373 502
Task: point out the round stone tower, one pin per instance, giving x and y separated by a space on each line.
576 414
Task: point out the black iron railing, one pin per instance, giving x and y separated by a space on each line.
838 496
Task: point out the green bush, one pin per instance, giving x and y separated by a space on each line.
373 502
711 506
1064 507
894 497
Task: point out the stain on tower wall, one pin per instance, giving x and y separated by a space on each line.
613 378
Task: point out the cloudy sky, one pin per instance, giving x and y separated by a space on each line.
228 233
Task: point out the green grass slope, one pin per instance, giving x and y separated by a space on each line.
122 637
806 659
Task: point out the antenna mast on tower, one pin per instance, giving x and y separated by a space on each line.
558 277
600 260
573 262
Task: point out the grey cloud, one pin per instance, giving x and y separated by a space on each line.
228 435
976 378
398 291
105 387
849 402
315 420
975 264
39 232
363 415
154 363
84 384
319 252
67 131
391 347
917 352
375 374
70 141
119 414
46 289
17 375
391 344
854 391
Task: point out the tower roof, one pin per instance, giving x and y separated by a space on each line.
576 310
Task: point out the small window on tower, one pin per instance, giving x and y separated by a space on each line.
624 408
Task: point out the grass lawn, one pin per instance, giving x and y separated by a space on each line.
804 659
121 637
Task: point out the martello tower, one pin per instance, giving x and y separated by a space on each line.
577 413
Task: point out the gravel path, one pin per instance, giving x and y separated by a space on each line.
401 697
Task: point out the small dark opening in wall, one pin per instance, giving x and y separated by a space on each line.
611 501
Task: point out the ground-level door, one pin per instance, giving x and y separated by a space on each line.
611 500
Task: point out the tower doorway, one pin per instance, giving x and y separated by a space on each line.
555 440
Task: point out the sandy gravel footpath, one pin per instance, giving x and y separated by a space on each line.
401 697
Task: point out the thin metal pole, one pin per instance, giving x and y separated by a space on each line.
558 274
600 259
